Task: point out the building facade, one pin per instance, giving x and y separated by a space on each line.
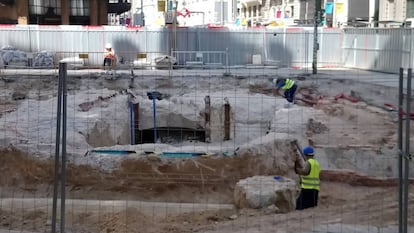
189 12
396 13
334 13
59 12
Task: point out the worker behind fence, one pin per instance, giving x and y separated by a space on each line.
109 56
309 169
289 87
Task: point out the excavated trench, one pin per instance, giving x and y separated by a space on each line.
147 177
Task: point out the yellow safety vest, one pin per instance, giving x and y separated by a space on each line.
311 181
288 84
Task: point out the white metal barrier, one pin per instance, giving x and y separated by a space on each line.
201 59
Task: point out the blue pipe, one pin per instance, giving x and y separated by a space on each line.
154 95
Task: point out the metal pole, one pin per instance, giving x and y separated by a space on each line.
207 113
222 12
227 121
57 148
410 57
63 168
227 63
142 13
400 151
137 132
154 107
175 25
407 150
131 122
306 51
315 37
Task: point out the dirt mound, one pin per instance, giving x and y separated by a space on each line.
140 178
358 179
24 171
131 220
28 219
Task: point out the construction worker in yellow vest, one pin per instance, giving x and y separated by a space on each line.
289 87
309 169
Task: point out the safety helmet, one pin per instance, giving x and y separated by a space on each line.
108 46
280 80
308 151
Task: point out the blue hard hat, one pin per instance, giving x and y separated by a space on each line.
308 150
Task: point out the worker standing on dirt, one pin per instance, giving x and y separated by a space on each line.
109 55
309 169
289 87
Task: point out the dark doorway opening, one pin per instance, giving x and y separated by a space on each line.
170 135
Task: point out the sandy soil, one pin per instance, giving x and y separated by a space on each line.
347 198
343 203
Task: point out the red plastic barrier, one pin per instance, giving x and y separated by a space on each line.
347 97
391 107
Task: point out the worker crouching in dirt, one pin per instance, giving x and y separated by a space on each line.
289 87
309 169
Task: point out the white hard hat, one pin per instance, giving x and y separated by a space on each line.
108 46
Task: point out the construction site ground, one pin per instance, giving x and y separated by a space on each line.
359 192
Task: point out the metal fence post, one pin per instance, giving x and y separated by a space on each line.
227 72
63 66
400 150
407 151
317 16
404 151
57 148
60 138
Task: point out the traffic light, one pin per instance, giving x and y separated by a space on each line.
322 17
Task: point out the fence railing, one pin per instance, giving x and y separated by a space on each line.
215 59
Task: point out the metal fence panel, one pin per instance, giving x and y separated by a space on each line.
330 49
374 49
287 46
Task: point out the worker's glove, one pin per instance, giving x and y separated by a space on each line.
294 145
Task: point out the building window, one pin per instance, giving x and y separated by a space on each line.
37 7
410 8
254 11
79 7
40 7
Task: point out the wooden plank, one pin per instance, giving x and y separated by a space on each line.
83 55
141 55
